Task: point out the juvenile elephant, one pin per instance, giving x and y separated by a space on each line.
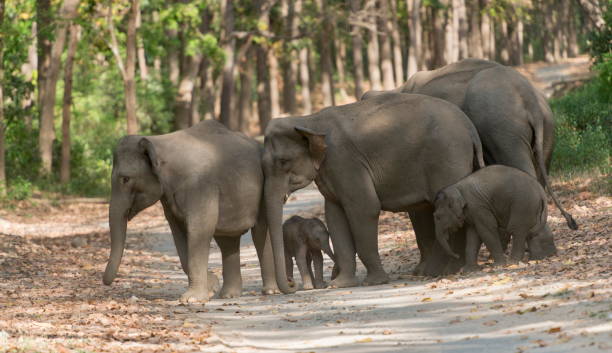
512 117
209 180
392 152
304 239
489 200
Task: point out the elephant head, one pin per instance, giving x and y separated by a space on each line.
541 245
291 159
448 216
134 186
318 238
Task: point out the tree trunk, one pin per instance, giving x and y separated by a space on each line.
340 57
462 27
208 92
67 104
229 44
415 49
274 90
264 108
289 60
386 61
593 12
2 123
572 40
130 69
142 61
475 39
174 70
398 63
428 38
44 36
439 29
485 29
327 79
184 95
305 81
504 52
245 107
518 39
27 70
356 38
46 136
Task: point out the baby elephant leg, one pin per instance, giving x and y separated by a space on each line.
472 247
518 246
302 264
289 266
486 226
317 258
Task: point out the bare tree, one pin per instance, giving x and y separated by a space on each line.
245 105
305 81
67 12
356 39
229 44
475 39
384 31
398 64
67 104
326 39
289 59
416 48
488 35
340 57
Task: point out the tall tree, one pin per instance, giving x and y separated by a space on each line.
67 12
67 104
487 34
475 39
356 39
2 123
326 40
262 52
398 63
27 70
229 46
384 39
289 59
416 48
373 47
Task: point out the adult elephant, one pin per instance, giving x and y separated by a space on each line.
392 152
210 183
512 117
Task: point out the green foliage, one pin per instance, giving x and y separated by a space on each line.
599 42
604 70
19 189
583 130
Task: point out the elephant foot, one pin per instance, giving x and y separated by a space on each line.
419 270
230 291
270 289
320 285
500 262
213 285
307 286
453 266
194 295
344 281
376 278
470 268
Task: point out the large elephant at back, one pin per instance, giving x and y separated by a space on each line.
512 117
210 183
392 152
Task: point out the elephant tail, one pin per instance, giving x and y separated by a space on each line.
477 147
539 157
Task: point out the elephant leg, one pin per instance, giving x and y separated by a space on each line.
263 246
180 240
433 257
486 227
363 215
309 266
289 265
317 258
344 247
519 244
302 265
458 244
472 248
230 257
200 230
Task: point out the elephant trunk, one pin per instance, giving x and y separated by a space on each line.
442 237
117 218
274 195
327 249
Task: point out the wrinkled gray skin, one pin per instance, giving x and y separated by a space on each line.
512 117
209 181
392 152
304 239
489 200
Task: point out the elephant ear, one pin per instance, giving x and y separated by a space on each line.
148 149
457 204
316 145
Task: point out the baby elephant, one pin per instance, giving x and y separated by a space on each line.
304 239
494 200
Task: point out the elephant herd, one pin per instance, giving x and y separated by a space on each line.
421 148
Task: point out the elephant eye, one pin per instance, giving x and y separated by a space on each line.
283 162
124 180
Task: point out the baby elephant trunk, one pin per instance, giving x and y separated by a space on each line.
443 240
327 249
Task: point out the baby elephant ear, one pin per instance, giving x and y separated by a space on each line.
316 145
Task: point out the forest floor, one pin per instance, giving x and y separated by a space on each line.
52 255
